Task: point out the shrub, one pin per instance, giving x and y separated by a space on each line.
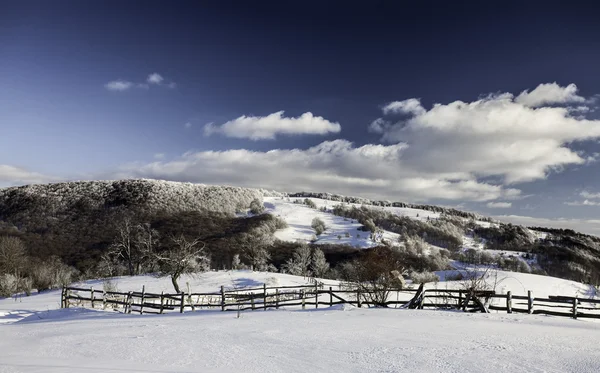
318 225
310 203
256 207
424 277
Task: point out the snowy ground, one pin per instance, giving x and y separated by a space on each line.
327 340
37 336
299 218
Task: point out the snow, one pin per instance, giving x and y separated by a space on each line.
299 218
326 340
37 336
518 283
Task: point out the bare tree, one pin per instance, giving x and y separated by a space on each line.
184 257
146 239
375 274
124 245
133 244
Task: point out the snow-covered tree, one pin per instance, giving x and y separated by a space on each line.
319 265
236 263
299 263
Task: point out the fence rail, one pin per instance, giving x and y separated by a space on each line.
263 298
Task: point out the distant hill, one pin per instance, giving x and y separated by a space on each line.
77 221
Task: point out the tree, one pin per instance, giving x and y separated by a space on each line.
124 245
133 244
319 264
318 225
13 257
299 263
256 207
236 263
375 274
183 257
146 239
257 256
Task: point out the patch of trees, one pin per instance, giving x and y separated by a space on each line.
505 237
441 232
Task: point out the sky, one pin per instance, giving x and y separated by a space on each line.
489 109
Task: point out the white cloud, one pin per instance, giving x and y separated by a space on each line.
499 205
374 171
159 156
550 93
410 106
585 202
188 125
586 194
268 127
11 175
154 78
495 136
118 85
590 226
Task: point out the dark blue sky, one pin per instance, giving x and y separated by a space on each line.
344 62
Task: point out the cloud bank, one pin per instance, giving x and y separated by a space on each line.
461 151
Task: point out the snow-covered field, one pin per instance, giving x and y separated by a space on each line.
37 336
326 340
299 218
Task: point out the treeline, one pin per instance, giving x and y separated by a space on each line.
366 201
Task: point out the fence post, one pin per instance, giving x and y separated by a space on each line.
276 299
222 298
358 298
330 296
460 299
303 295
265 297
182 303
575 308
252 301
509 302
62 297
143 297
316 294
129 300
529 302
92 296
162 301
103 299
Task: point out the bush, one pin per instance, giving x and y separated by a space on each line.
424 277
318 225
310 203
256 207
9 285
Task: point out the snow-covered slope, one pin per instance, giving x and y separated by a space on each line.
325 340
299 217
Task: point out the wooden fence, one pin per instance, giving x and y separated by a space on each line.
318 295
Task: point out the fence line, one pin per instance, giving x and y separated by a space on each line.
263 298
